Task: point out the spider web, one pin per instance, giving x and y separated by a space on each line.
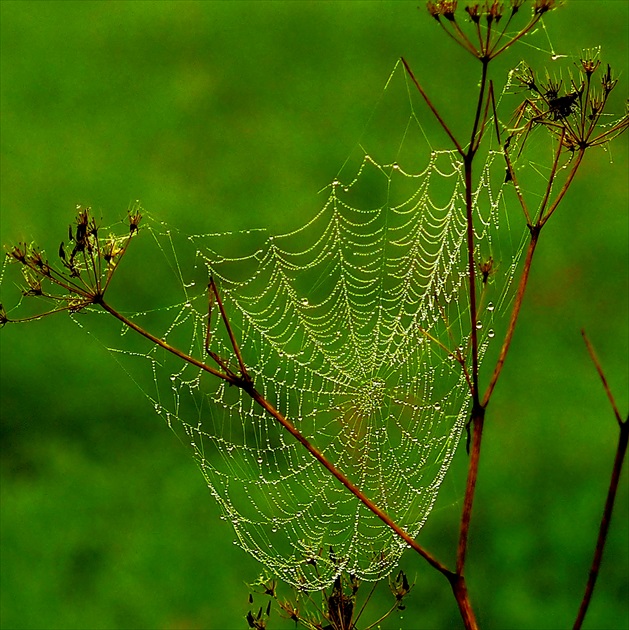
351 326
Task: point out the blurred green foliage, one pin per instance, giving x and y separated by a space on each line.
222 116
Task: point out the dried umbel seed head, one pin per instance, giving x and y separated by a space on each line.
135 216
442 8
607 81
400 588
30 257
590 62
493 11
18 252
81 275
543 6
515 5
571 114
474 11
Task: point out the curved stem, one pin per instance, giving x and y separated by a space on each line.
621 451
506 344
165 345
433 109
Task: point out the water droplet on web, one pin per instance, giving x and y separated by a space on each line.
396 166
490 306
304 302
479 325
437 406
260 460
490 333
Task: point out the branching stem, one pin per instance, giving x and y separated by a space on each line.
247 385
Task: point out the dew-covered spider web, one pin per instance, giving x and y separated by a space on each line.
356 327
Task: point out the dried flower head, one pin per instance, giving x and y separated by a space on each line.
494 11
571 113
442 8
515 6
474 12
590 61
400 589
82 274
135 216
543 6
492 41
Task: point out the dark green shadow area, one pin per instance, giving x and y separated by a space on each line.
222 116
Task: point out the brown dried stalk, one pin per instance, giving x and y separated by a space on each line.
619 458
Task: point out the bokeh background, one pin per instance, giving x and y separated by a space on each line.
231 115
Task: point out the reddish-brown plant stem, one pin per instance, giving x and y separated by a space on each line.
521 34
477 420
385 518
230 332
164 344
469 206
433 108
524 277
515 312
564 188
474 141
478 412
621 451
601 375
459 588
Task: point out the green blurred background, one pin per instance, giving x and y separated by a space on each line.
229 115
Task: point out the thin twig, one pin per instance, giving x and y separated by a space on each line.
432 108
621 450
601 375
164 344
232 338
564 188
517 304
473 146
551 177
516 186
521 34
